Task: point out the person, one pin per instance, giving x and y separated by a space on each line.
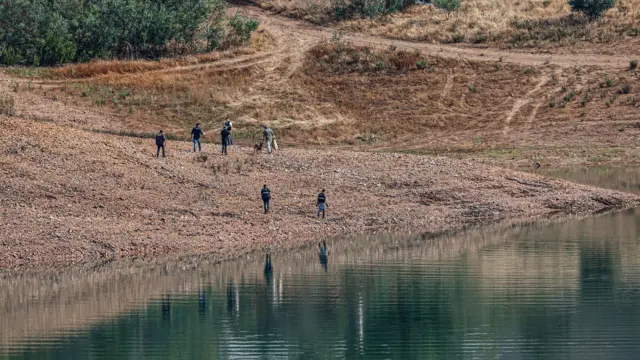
196 132
160 141
229 126
266 197
269 138
224 136
322 203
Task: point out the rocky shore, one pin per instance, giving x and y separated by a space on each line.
70 196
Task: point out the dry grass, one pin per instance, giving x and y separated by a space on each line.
338 57
7 104
341 95
314 11
528 23
260 41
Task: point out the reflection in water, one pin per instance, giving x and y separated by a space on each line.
166 308
268 269
324 255
202 302
623 179
561 291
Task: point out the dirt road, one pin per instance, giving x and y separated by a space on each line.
305 33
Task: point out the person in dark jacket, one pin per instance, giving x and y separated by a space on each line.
224 136
196 132
160 142
229 126
322 203
265 193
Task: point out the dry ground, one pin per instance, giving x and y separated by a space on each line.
73 196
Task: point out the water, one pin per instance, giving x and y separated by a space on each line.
553 289
616 178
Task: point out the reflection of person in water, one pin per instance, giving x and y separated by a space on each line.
166 307
202 301
268 269
230 297
324 255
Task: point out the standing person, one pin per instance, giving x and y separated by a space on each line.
224 136
160 142
196 132
266 197
229 126
322 203
269 137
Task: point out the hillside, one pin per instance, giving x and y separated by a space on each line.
316 89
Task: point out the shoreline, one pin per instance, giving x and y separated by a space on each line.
139 282
73 196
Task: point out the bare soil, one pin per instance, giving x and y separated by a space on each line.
72 196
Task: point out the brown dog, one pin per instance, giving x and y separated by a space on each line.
257 148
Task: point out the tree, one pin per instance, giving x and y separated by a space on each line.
49 32
592 8
447 5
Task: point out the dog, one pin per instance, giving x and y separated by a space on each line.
257 148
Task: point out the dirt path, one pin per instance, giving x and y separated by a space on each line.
306 32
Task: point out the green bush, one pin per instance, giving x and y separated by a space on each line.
348 9
592 8
447 5
50 32
243 27
633 64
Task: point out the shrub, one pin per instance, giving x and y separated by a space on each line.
570 96
348 9
243 27
422 64
457 38
49 32
7 104
608 82
633 64
447 5
592 8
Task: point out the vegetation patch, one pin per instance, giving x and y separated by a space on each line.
7 104
339 58
49 32
522 24
349 9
